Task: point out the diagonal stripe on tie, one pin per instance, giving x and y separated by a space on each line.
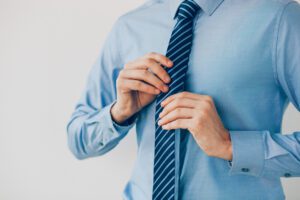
164 180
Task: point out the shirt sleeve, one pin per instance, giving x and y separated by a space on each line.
91 129
262 153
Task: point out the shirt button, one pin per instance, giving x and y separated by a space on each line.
245 170
287 175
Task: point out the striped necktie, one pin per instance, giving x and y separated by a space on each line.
178 51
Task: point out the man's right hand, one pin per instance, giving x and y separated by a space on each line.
137 86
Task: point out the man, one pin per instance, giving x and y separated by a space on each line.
209 78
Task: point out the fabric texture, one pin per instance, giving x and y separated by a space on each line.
245 56
179 49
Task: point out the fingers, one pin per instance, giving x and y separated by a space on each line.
144 75
177 103
178 113
184 105
189 95
154 62
129 84
179 123
159 58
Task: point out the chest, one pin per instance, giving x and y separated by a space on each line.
229 56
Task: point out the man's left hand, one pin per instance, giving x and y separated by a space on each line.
198 114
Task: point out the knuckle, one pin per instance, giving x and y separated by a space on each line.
166 111
195 121
205 112
161 85
148 62
178 111
150 54
201 115
199 122
121 73
208 99
162 73
139 84
120 84
144 72
162 58
184 94
165 59
206 107
177 102
127 64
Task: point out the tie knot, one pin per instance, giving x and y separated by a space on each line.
188 9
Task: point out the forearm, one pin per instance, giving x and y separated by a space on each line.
93 133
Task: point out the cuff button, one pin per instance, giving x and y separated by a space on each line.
287 175
245 169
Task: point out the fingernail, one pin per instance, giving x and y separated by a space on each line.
166 88
170 63
159 122
167 79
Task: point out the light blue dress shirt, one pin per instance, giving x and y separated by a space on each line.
246 55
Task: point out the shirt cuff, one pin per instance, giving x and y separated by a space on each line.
248 153
122 128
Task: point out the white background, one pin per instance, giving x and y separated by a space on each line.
46 51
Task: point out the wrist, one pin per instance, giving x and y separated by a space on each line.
228 147
118 114
229 152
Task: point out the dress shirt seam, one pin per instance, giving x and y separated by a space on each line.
275 49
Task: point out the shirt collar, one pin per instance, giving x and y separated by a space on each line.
208 6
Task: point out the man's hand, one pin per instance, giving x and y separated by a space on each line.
137 86
198 114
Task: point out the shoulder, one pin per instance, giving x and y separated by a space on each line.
281 5
141 11
280 10
270 6
288 12
122 21
145 6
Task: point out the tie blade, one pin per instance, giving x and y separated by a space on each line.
180 44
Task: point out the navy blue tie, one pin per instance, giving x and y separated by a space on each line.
178 51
